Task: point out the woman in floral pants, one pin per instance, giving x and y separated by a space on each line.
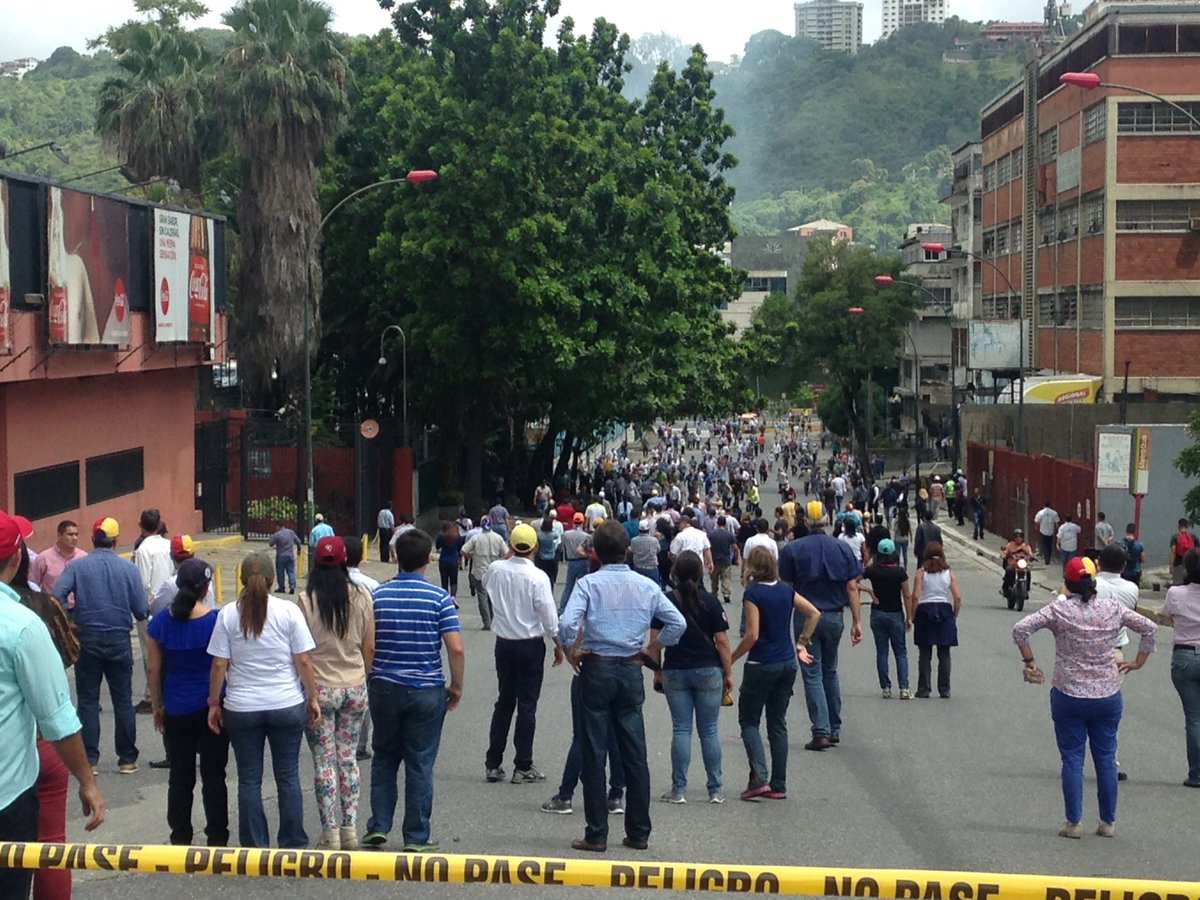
342 622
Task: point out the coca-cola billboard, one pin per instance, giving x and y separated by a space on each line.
5 273
88 301
183 298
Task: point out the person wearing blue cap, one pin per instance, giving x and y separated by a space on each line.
889 599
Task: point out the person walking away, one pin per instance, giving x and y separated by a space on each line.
183 548
643 552
724 556
286 543
262 656
614 608
1085 702
152 556
928 532
576 545
889 616
408 693
933 609
483 550
1182 612
937 496
825 571
769 675
367 583
979 513
36 700
321 529
696 673
1181 542
385 523
549 549
179 671
49 565
903 534
1067 540
1135 555
1111 586
960 496
525 615
1046 519
341 620
1104 532
853 538
109 597
449 545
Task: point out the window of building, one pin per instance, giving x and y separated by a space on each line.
1016 238
1048 225
765 285
1091 311
1093 213
1154 215
1158 312
115 475
1189 38
1001 306
1048 145
1004 170
1018 162
41 493
1002 240
989 177
989 243
1068 222
1156 118
1095 119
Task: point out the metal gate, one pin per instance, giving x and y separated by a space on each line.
212 475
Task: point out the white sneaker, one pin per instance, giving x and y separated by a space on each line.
331 839
348 835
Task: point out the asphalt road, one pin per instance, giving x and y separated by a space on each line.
967 784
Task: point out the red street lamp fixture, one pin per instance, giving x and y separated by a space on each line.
420 176
1089 81
856 310
932 247
884 279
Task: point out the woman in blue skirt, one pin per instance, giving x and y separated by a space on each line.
933 608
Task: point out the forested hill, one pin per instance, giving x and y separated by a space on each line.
861 139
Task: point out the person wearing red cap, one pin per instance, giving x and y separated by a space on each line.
45 570
342 622
109 596
1085 702
35 697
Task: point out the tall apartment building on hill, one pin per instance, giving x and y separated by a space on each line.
899 13
834 24
1092 209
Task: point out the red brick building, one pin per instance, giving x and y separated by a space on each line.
1094 214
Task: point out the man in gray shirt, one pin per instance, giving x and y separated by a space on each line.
643 552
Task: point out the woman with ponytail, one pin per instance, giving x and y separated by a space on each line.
695 674
262 645
1085 702
933 608
178 669
342 622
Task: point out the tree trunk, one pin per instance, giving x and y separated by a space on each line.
564 457
543 457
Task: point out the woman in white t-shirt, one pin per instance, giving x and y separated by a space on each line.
853 537
261 649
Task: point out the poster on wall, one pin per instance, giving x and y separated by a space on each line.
183 253
5 273
88 301
1112 460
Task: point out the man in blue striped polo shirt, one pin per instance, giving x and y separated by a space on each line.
408 693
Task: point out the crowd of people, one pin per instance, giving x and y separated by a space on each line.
652 552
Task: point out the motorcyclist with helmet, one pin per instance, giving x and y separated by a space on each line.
1016 549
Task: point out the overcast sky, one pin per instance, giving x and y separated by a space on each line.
36 29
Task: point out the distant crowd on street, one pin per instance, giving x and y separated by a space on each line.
652 546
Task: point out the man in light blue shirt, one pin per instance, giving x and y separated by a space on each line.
609 613
33 695
320 530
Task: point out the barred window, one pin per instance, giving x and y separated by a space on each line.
1095 120
1003 170
1093 213
1156 118
989 177
1018 163
1154 215
1158 312
1048 145
1068 222
1091 313
1001 306
1002 240
1048 226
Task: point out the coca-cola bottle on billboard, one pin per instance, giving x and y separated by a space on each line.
57 310
199 283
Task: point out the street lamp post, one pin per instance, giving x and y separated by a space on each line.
416 176
935 247
948 309
403 370
1089 81
52 146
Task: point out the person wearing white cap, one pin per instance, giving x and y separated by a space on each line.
643 552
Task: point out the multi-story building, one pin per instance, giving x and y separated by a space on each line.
834 24
1091 205
835 231
772 264
965 201
1014 31
18 68
928 371
899 13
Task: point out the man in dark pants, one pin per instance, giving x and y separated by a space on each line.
523 616
35 697
825 571
386 523
613 608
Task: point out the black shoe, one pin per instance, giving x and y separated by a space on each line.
160 764
583 844
143 707
634 845
1122 776
922 695
362 754
819 742
834 740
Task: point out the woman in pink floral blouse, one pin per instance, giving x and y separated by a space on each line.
1085 702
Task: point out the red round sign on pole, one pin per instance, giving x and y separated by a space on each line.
369 429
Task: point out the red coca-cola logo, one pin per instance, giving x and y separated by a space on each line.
58 313
164 296
120 300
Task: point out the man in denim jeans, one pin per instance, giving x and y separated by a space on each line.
826 571
109 596
408 693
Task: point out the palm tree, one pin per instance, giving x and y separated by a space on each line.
284 85
156 113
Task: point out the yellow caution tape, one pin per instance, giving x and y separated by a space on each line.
902 884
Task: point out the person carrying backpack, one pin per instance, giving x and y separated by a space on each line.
1135 551
1181 542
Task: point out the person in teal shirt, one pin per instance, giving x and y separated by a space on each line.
320 530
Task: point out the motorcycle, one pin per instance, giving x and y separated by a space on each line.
1016 590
